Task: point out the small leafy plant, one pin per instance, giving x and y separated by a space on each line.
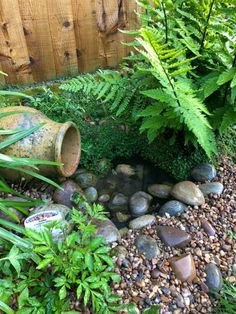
50 274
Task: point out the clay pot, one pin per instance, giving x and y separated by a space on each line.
54 141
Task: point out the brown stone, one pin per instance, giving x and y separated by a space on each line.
64 196
208 228
184 267
160 190
188 193
173 236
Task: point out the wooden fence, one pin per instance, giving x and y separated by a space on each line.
45 39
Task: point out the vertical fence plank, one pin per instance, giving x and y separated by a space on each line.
15 51
35 20
63 36
86 34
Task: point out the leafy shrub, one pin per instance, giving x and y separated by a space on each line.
45 278
184 72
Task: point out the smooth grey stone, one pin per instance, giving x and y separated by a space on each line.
85 179
160 190
188 193
147 246
172 208
139 203
203 172
211 187
214 279
107 230
142 222
118 203
91 194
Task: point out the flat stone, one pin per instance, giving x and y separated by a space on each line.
203 172
184 267
147 246
172 208
188 193
172 236
214 279
139 203
211 187
125 169
160 190
91 194
142 222
85 179
64 196
118 203
107 230
208 228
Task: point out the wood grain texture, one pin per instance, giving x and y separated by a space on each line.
45 39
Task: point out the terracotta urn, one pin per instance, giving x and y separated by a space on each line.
54 141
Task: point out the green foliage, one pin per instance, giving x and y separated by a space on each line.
184 72
227 299
44 278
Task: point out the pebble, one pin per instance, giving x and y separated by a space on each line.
91 194
188 193
214 279
172 208
208 228
147 246
121 217
160 190
172 236
211 187
125 169
204 172
142 222
104 198
184 267
139 203
155 273
107 230
118 203
85 179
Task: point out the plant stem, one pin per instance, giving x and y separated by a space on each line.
165 24
228 84
206 26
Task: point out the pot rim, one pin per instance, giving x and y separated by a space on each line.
66 170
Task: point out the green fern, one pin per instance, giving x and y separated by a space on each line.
177 106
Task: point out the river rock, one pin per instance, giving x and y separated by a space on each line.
211 187
172 236
107 230
184 267
139 203
104 198
91 194
160 190
142 222
64 196
125 169
85 179
214 279
172 208
118 203
120 251
19 215
188 193
147 246
208 228
204 172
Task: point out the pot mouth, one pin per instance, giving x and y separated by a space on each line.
68 149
